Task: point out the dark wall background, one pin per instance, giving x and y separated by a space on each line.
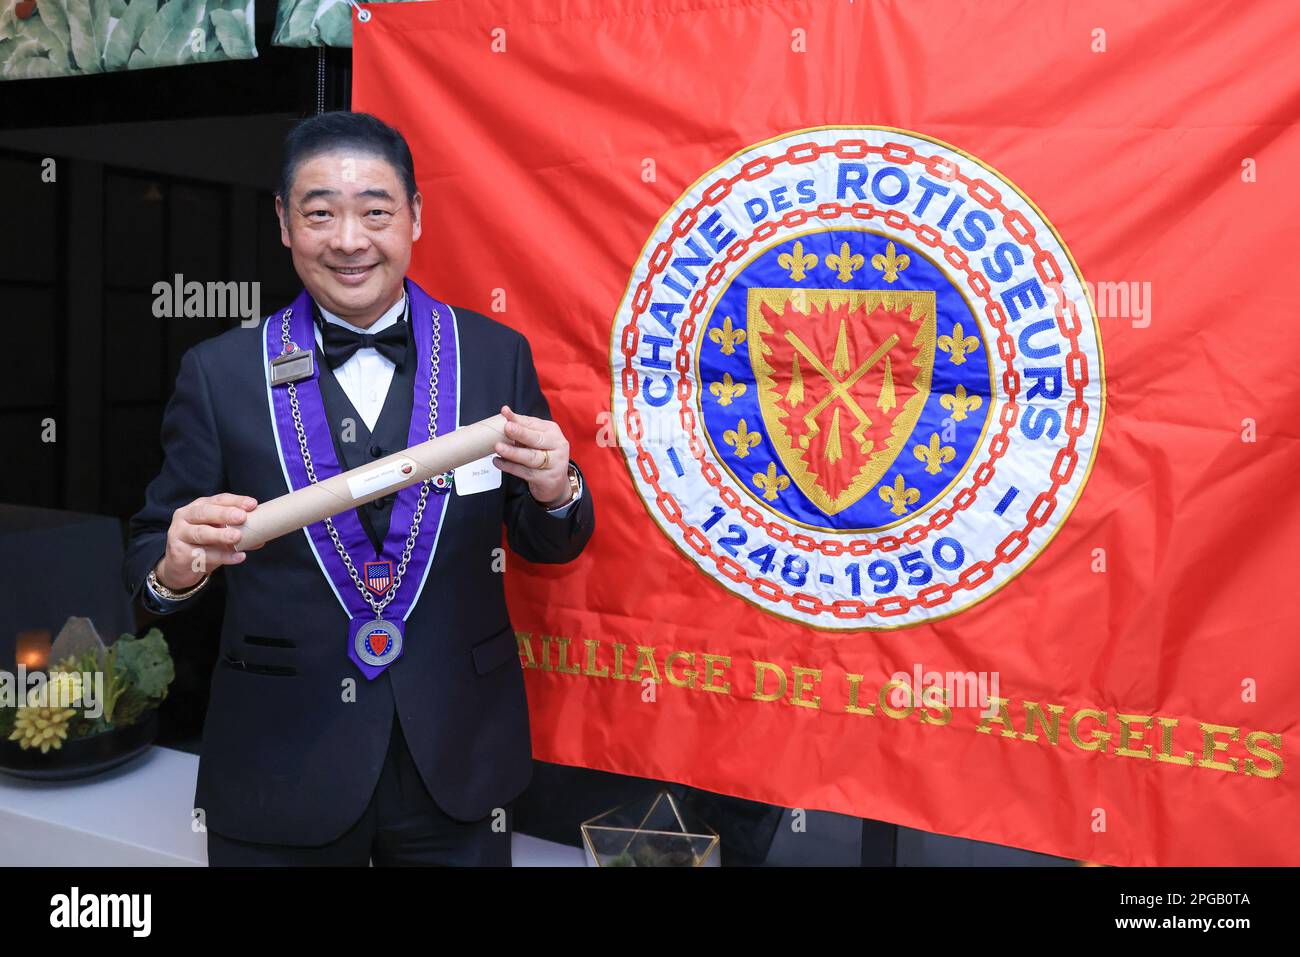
155 173
83 266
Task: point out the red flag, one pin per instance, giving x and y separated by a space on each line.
933 369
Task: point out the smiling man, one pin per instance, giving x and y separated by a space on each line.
320 747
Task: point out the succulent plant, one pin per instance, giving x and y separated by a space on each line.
43 728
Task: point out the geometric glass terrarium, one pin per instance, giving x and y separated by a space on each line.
655 831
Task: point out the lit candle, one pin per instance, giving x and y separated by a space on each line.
34 648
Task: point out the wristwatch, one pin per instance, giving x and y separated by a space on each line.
162 591
575 486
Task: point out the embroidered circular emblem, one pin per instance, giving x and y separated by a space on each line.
857 377
378 642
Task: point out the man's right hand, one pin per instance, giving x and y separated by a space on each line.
201 538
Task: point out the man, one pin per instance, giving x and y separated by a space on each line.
330 739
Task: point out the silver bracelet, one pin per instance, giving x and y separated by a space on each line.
162 591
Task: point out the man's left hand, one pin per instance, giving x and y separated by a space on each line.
539 455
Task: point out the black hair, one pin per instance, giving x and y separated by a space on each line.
342 129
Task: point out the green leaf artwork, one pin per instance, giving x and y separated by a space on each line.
73 37
315 23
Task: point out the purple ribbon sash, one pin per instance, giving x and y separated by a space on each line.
316 427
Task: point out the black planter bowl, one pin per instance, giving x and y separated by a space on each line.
80 757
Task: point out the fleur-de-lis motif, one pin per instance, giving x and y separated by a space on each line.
771 484
741 439
958 345
847 263
727 337
890 264
960 404
935 455
899 495
797 262
727 389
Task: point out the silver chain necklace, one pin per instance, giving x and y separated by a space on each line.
376 606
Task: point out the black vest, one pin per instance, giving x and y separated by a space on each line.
391 432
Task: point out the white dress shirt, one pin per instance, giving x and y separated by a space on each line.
366 374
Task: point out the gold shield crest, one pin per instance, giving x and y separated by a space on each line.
842 377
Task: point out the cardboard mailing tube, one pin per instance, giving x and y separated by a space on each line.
296 510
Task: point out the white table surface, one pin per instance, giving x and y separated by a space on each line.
140 815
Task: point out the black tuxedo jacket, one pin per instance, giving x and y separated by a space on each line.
287 756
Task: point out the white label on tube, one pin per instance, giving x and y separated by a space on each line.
381 477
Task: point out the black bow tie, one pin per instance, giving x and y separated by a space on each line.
341 343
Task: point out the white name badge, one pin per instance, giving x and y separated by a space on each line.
478 476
